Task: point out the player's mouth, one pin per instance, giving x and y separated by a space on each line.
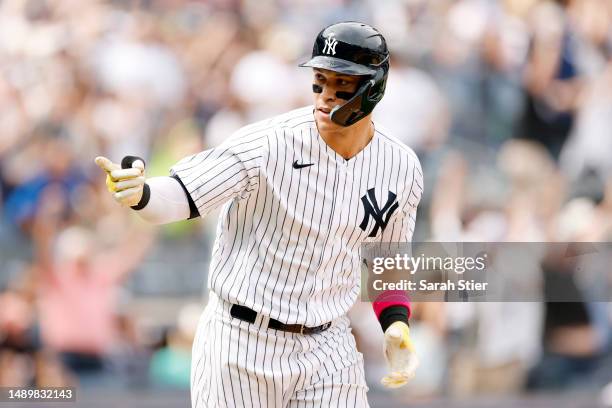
324 112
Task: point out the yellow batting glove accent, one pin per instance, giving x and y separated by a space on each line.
110 184
405 343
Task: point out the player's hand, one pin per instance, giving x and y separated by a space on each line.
400 355
126 185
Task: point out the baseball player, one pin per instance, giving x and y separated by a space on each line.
300 192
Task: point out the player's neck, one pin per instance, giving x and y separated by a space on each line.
349 141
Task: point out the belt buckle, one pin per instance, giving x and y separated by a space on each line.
302 327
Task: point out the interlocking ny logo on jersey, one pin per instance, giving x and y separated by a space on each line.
370 205
330 45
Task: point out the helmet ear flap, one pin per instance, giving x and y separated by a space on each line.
356 108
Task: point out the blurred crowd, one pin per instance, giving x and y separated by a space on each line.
507 103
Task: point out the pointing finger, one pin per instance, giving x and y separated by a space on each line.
106 164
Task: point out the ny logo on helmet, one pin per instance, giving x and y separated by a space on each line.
330 45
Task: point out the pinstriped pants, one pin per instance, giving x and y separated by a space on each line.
241 364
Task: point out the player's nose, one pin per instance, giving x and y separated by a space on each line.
328 94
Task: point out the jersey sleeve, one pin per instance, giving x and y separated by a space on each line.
401 227
388 303
229 171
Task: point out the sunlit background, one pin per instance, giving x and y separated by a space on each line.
508 104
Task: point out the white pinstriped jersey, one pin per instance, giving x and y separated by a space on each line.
295 213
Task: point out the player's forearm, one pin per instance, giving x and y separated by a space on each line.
167 202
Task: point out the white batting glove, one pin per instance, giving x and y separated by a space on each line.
400 355
126 185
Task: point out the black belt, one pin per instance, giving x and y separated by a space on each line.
249 315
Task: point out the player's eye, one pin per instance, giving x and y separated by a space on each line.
319 78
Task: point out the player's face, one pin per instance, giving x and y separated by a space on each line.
331 82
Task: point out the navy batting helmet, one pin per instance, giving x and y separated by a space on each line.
353 48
